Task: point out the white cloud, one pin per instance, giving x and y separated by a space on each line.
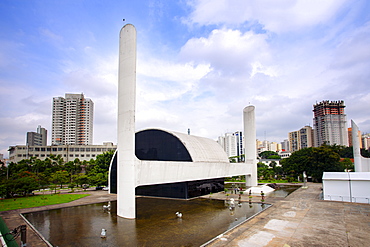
275 15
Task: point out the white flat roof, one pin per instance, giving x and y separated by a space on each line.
346 176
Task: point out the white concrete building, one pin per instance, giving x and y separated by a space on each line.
196 160
72 122
67 152
349 186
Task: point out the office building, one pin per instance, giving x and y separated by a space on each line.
72 122
330 123
38 138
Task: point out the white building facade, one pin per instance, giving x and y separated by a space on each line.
67 152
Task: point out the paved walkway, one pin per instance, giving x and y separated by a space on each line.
302 219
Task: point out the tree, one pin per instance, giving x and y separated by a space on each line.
313 160
347 164
60 178
267 154
22 183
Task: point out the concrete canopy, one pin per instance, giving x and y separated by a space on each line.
200 149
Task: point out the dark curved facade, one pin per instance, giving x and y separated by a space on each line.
155 144
159 145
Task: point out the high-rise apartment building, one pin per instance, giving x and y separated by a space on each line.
330 123
38 138
302 138
233 144
72 120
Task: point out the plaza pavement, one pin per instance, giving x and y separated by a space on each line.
300 219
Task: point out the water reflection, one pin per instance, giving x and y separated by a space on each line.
156 223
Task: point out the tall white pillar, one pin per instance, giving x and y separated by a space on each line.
126 123
356 147
250 145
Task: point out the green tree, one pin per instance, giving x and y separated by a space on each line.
60 178
347 164
313 160
267 154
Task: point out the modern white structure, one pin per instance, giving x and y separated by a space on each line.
350 186
72 122
196 158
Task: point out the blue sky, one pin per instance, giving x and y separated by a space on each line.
199 63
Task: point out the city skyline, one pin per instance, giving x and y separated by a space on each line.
198 65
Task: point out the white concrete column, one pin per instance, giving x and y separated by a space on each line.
356 148
250 145
126 123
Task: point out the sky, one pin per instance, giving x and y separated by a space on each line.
199 63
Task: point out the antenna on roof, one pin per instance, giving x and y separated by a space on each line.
188 131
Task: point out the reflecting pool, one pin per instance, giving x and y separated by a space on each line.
156 223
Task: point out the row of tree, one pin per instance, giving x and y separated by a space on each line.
32 174
314 161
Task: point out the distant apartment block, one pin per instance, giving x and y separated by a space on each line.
350 144
366 141
285 145
330 123
72 121
232 143
302 138
67 152
38 138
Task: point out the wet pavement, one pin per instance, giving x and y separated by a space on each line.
300 219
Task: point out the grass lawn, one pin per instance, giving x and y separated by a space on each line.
37 200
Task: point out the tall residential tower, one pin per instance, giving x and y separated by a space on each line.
72 120
330 123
